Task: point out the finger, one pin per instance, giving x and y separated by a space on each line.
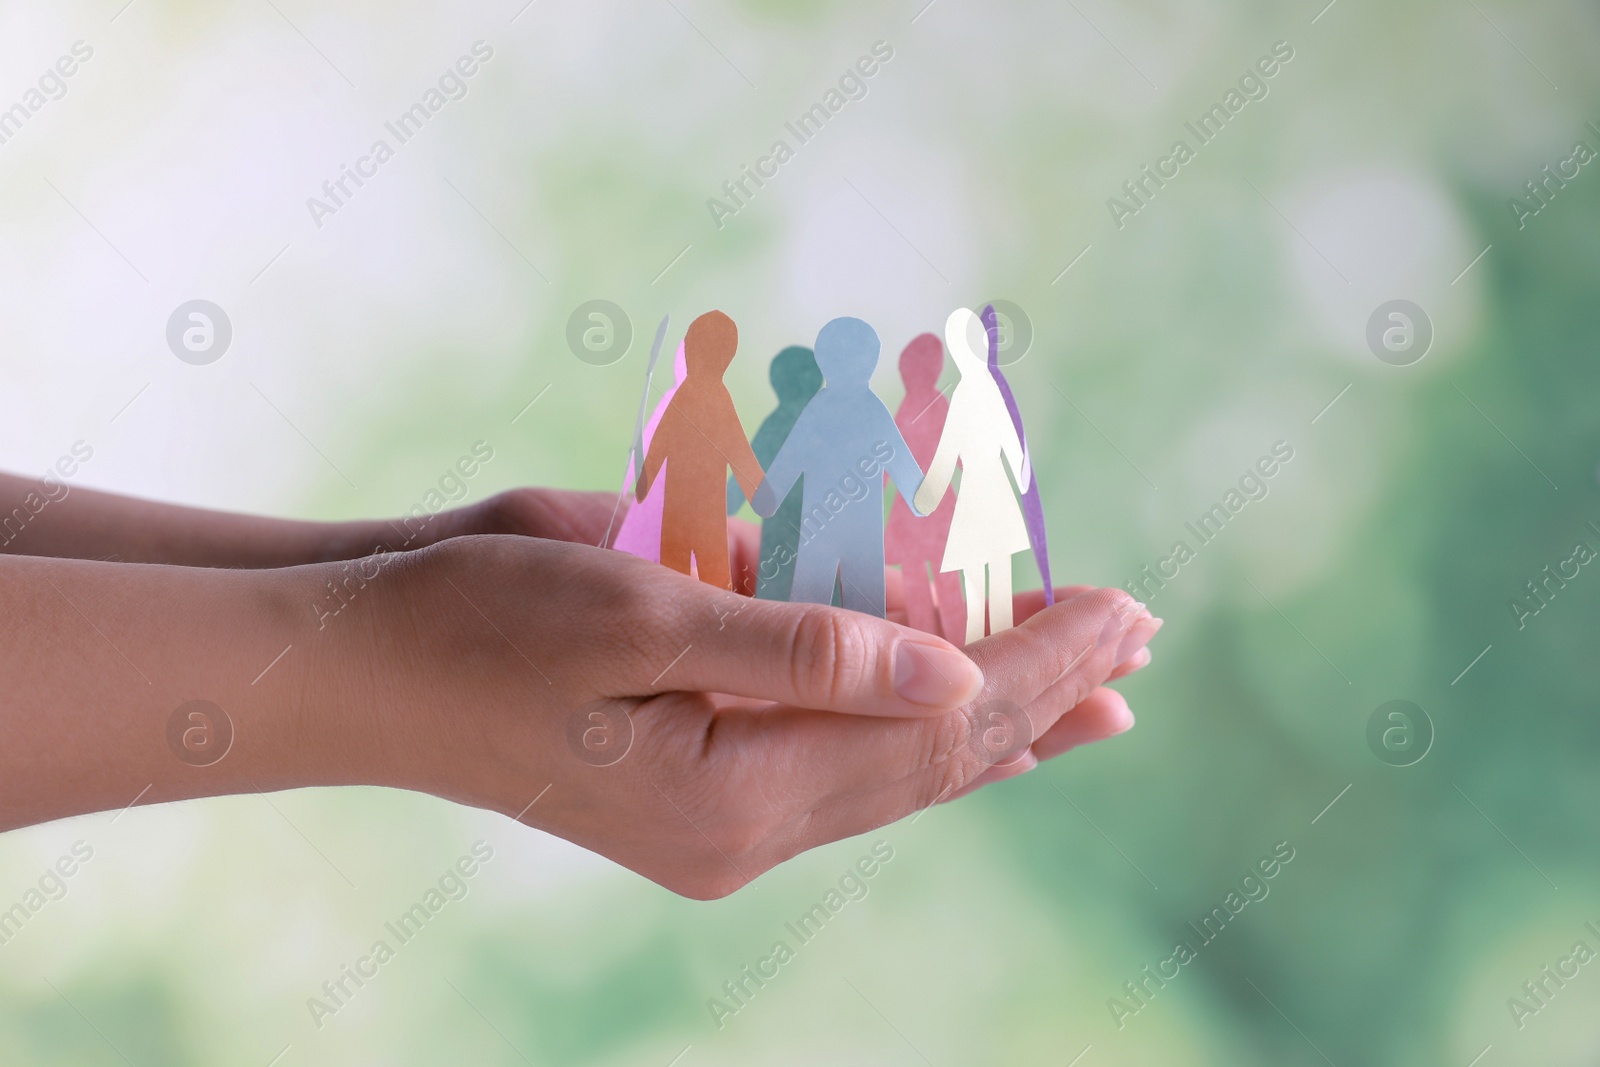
558 514
803 655
1018 765
1103 715
1140 660
1072 647
1026 605
744 555
1034 673
894 590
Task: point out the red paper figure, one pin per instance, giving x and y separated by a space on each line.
918 544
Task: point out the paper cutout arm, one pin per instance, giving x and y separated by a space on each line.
765 442
783 473
741 457
940 471
1011 448
784 469
902 467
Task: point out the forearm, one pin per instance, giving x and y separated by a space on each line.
99 657
37 519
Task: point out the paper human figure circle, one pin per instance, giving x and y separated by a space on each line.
827 459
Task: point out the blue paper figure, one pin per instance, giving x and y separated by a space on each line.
795 379
842 444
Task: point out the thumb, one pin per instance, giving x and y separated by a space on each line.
807 655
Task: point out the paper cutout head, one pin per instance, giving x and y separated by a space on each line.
709 345
921 364
847 352
968 342
794 375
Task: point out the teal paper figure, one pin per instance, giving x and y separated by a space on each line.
795 379
842 444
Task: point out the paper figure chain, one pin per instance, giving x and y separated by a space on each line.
817 467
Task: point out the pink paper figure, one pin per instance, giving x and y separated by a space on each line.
918 544
641 526
988 527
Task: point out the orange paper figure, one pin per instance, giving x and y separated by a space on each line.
916 543
988 528
700 434
640 534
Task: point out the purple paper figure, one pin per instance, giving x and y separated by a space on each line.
842 444
1032 508
641 526
933 597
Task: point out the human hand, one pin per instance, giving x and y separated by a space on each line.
758 729
558 514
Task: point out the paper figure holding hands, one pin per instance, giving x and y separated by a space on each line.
988 527
1032 508
842 444
640 534
700 434
795 379
915 543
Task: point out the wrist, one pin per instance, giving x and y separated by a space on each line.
405 652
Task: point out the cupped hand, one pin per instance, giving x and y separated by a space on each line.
697 736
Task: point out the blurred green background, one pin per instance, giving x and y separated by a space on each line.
1228 313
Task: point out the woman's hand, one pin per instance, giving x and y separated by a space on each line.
693 735
557 514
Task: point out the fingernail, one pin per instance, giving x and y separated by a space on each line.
1125 617
1137 637
1139 660
935 676
1021 763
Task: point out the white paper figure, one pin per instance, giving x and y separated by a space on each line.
988 527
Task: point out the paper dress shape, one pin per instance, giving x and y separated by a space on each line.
917 545
987 528
640 534
1032 507
700 435
842 444
795 379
